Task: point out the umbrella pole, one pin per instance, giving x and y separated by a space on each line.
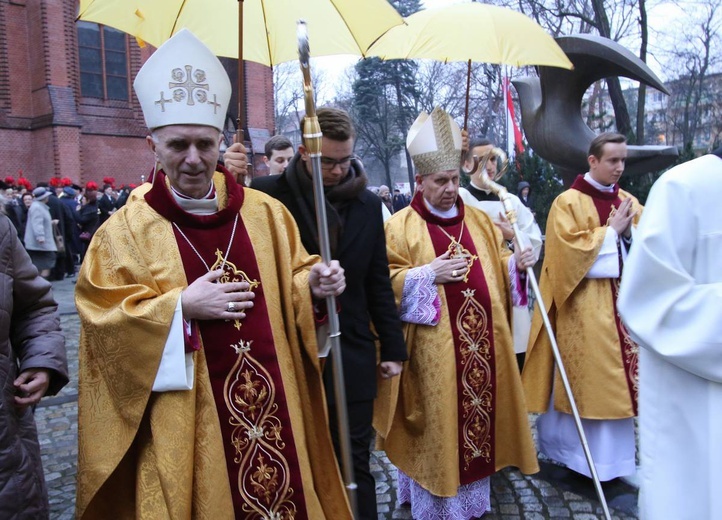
466 108
312 139
241 78
468 89
503 195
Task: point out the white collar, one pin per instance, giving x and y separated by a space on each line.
204 206
601 187
449 213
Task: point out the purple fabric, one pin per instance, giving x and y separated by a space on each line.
471 500
420 302
519 297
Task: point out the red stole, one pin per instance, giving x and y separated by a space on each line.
245 375
469 304
606 204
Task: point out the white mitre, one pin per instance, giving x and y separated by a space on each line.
183 83
434 143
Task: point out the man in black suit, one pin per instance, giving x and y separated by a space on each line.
358 243
106 203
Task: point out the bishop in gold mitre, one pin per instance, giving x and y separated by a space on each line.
457 414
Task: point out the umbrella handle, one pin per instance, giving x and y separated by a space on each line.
468 89
240 121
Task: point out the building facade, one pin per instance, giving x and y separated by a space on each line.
67 106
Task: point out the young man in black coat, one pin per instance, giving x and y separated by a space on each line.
106 203
358 243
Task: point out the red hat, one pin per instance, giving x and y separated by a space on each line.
22 181
55 182
91 186
109 180
10 180
66 181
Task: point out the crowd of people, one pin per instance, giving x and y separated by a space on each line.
55 220
203 321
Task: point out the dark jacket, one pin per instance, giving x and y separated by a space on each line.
526 201
12 210
30 337
368 297
72 230
105 205
87 218
399 202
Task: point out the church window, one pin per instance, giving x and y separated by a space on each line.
103 62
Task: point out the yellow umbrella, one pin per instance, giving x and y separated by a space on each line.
471 32
474 31
268 26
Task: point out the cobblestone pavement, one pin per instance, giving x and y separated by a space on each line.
553 493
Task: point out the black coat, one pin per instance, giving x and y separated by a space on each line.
87 218
72 230
368 297
105 205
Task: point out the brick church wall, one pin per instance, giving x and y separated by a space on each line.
47 128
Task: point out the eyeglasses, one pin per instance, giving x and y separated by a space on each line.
329 164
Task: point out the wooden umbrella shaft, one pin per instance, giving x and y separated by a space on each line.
468 90
240 122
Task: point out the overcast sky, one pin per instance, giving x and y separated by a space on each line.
660 14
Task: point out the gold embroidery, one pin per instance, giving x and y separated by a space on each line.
476 378
242 346
264 476
232 274
456 250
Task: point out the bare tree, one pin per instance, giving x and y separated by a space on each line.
288 93
697 54
642 90
613 19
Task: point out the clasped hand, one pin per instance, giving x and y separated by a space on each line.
622 219
30 386
236 161
327 280
524 258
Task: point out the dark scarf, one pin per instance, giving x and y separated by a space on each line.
337 198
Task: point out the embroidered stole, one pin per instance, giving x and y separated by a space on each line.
245 375
469 305
606 204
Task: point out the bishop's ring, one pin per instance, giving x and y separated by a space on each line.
231 307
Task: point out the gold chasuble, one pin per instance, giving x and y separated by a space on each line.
250 440
459 414
599 356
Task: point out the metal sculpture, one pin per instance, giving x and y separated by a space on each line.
551 106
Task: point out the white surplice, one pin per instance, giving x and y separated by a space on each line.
521 316
671 302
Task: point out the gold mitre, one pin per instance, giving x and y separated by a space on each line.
434 143
183 83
